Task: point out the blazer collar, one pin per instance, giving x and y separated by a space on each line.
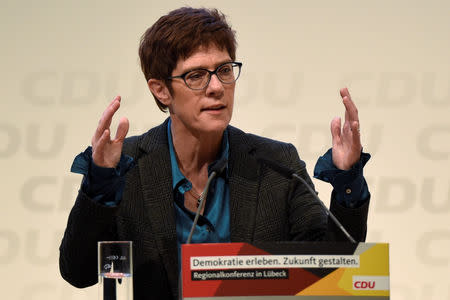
244 184
156 179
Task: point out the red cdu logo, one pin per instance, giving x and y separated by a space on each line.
374 283
364 285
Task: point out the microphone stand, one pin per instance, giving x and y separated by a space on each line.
217 169
200 206
287 172
329 213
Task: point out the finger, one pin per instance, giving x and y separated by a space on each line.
344 92
346 131
106 119
99 147
112 107
335 128
122 129
109 112
356 136
351 111
347 116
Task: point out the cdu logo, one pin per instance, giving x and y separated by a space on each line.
375 283
364 285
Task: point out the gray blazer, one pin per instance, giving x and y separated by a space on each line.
264 206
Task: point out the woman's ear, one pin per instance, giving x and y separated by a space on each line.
160 91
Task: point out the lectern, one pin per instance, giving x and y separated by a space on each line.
285 270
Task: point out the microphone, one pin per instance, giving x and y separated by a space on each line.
289 173
216 169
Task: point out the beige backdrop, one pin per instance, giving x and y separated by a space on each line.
63 61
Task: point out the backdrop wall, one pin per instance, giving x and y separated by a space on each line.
63 61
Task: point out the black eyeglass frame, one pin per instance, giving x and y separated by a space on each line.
211 73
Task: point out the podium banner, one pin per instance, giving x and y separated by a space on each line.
286 270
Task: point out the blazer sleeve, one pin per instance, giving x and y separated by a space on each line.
88 223
308 219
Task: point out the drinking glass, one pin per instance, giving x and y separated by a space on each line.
115 270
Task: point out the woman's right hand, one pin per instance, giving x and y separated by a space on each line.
106 152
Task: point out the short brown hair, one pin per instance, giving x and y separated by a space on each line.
178 35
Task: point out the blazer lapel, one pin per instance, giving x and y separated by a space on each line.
156 178
244 185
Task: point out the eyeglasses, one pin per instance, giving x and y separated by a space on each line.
199 79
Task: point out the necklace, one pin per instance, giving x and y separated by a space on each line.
196 196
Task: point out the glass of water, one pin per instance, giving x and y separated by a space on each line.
115 270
